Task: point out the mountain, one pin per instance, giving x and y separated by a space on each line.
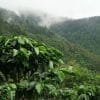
83 32
32 25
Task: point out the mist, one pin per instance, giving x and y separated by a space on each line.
63 8
53 11
44 19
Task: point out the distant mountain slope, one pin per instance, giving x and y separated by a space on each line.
28 24
84 32
72 52
10 22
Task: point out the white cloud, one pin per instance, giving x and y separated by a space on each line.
69 8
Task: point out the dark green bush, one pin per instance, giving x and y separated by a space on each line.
30 70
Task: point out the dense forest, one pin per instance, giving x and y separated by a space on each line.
84 32
38 62
85 50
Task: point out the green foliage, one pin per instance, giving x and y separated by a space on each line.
31 70
7 91
82 32
75 38
25 55
39 87
21 57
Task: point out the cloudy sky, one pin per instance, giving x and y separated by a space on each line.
65 8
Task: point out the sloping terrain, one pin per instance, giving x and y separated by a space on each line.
77 47
83 32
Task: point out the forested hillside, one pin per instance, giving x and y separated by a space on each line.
30 70
57 62
84 32
28 24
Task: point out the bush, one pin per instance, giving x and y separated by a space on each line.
31 70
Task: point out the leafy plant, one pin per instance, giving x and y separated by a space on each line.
31 70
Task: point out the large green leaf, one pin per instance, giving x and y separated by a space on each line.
25 52
52 89
31 85
60 75
39 87
36 50
51 64
15 52
21 40
13 86
28 41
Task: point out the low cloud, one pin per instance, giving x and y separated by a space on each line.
64 8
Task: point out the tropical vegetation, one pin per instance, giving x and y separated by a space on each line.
30 70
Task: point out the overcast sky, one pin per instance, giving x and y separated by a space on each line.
65 8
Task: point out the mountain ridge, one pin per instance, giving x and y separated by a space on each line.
28 25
